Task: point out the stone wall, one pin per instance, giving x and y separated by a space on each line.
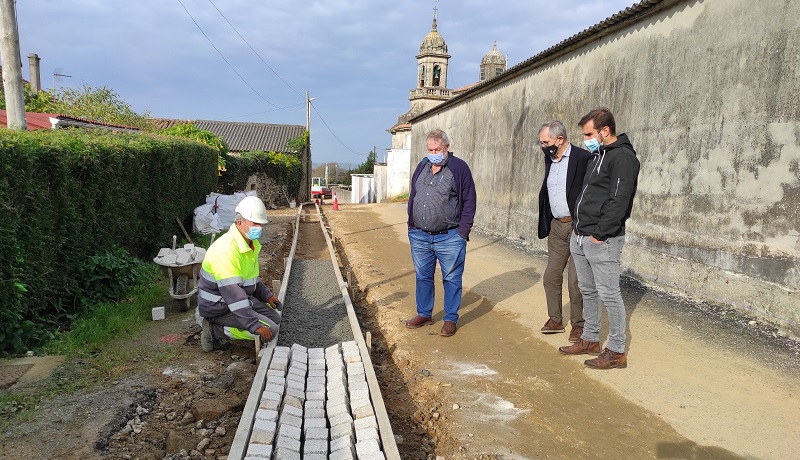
709 93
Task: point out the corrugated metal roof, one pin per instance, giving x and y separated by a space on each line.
243 137
622 19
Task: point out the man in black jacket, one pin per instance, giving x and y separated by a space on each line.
599 234
565 166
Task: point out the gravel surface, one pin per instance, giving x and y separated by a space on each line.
314 312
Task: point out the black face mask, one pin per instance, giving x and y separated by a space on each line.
550 150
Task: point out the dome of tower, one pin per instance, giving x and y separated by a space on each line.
493 57
433 42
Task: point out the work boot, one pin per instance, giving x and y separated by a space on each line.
575 333
581 347
206 337
608 360
552 326
418 321
448 329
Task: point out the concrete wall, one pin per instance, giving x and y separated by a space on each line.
398 176
709 93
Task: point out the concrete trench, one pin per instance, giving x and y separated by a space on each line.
315 394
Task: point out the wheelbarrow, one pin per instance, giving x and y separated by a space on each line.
181 265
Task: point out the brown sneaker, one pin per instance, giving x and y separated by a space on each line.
552 327
418 321
581 347
448 329
608 360
575 333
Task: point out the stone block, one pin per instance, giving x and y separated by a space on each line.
367 449
290 400
362 410
268 404
314 404
286 454
298 347
365 422
316 372
158 313
342 429
263 432
289 431
291 410
259 450
343 454
299 394
315 446
287 443
292 420
269 415
313 413
341 418
365 434
341 442
316 433
315 422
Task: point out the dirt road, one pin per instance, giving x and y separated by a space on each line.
699 384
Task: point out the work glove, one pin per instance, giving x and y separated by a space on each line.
275 303
265 333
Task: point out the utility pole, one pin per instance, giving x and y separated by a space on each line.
12 73
305 161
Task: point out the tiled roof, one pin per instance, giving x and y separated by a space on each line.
243 137
34 120
42 121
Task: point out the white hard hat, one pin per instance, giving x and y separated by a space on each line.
252 209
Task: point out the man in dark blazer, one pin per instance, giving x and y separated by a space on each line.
565 167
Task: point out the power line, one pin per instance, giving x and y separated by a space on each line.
253 50
225 59
334 134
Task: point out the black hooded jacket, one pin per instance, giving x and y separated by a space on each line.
608 190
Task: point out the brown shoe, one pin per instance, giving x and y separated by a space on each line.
608 360
581 347
418 321
448 329
575 333
552 326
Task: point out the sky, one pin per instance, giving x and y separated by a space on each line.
254 60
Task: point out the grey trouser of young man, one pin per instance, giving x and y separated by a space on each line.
221 325
558 257
598 270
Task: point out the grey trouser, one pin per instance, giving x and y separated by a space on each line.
227 326
598 270
558 257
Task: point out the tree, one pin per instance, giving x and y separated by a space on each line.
191 131
99 104
41 102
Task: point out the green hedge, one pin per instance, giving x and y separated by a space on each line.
69 195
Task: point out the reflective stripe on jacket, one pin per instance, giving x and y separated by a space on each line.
229 278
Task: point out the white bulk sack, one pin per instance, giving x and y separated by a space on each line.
223 207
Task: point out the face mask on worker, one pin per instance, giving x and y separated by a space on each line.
436 158
254 233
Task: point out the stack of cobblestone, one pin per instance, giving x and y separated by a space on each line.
315 406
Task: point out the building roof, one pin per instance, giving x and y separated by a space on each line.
37 120
242 136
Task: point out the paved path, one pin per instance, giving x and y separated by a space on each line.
697 386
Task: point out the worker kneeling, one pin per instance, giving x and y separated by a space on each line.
232 300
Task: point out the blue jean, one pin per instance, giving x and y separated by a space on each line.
598 268
450 250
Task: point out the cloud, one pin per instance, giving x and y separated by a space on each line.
357 57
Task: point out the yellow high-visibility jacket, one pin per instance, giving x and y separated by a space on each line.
229 278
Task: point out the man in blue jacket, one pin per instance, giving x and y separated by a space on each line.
599 234
441 208
565 166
